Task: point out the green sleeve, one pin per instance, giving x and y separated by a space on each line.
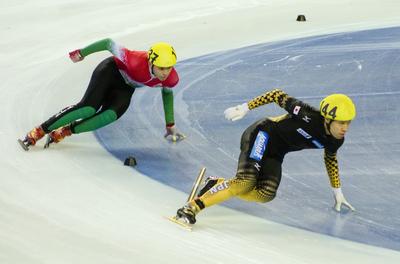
101 45
168 102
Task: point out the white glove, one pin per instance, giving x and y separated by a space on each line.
173 135
339 200
236 112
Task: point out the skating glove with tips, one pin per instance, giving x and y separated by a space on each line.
339 200
172 134
76 55
237 112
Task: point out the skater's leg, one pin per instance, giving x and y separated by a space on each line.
244 181
103 79
116 103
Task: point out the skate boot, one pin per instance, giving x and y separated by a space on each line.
32 137
209 182
57 135
187 213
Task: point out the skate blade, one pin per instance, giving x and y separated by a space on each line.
48 142
184 225
25 147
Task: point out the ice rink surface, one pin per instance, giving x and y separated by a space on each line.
360 64
76 203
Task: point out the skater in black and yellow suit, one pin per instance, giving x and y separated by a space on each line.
265 143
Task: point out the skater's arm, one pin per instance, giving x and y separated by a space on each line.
101 45
290 104
275 96
172 132
332 167
238 112
168 104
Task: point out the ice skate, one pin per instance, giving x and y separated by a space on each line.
187 214
185 217
31 138
57 135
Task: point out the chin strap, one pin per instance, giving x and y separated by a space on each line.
328 123
151 69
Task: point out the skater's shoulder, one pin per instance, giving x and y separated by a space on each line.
172 79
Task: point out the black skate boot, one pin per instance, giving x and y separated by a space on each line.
209 182
187 213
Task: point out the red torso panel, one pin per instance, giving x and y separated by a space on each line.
136 69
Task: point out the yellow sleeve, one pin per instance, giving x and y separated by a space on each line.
332 168
277 96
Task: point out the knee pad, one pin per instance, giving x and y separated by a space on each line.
108 116
87 111
100 120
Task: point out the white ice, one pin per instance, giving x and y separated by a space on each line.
75 203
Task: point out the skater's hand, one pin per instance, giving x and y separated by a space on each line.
173 135
339 200
76 55
236 112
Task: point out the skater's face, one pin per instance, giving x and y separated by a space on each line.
161 72
338 129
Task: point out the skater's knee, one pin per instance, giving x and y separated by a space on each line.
267 191
108 116
87 111
80 110
267 198
242 184
95 122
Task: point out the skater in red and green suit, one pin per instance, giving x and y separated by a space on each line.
110 89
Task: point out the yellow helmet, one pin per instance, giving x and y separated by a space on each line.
337 107
162 54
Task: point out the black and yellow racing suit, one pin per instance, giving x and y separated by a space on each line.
264 145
